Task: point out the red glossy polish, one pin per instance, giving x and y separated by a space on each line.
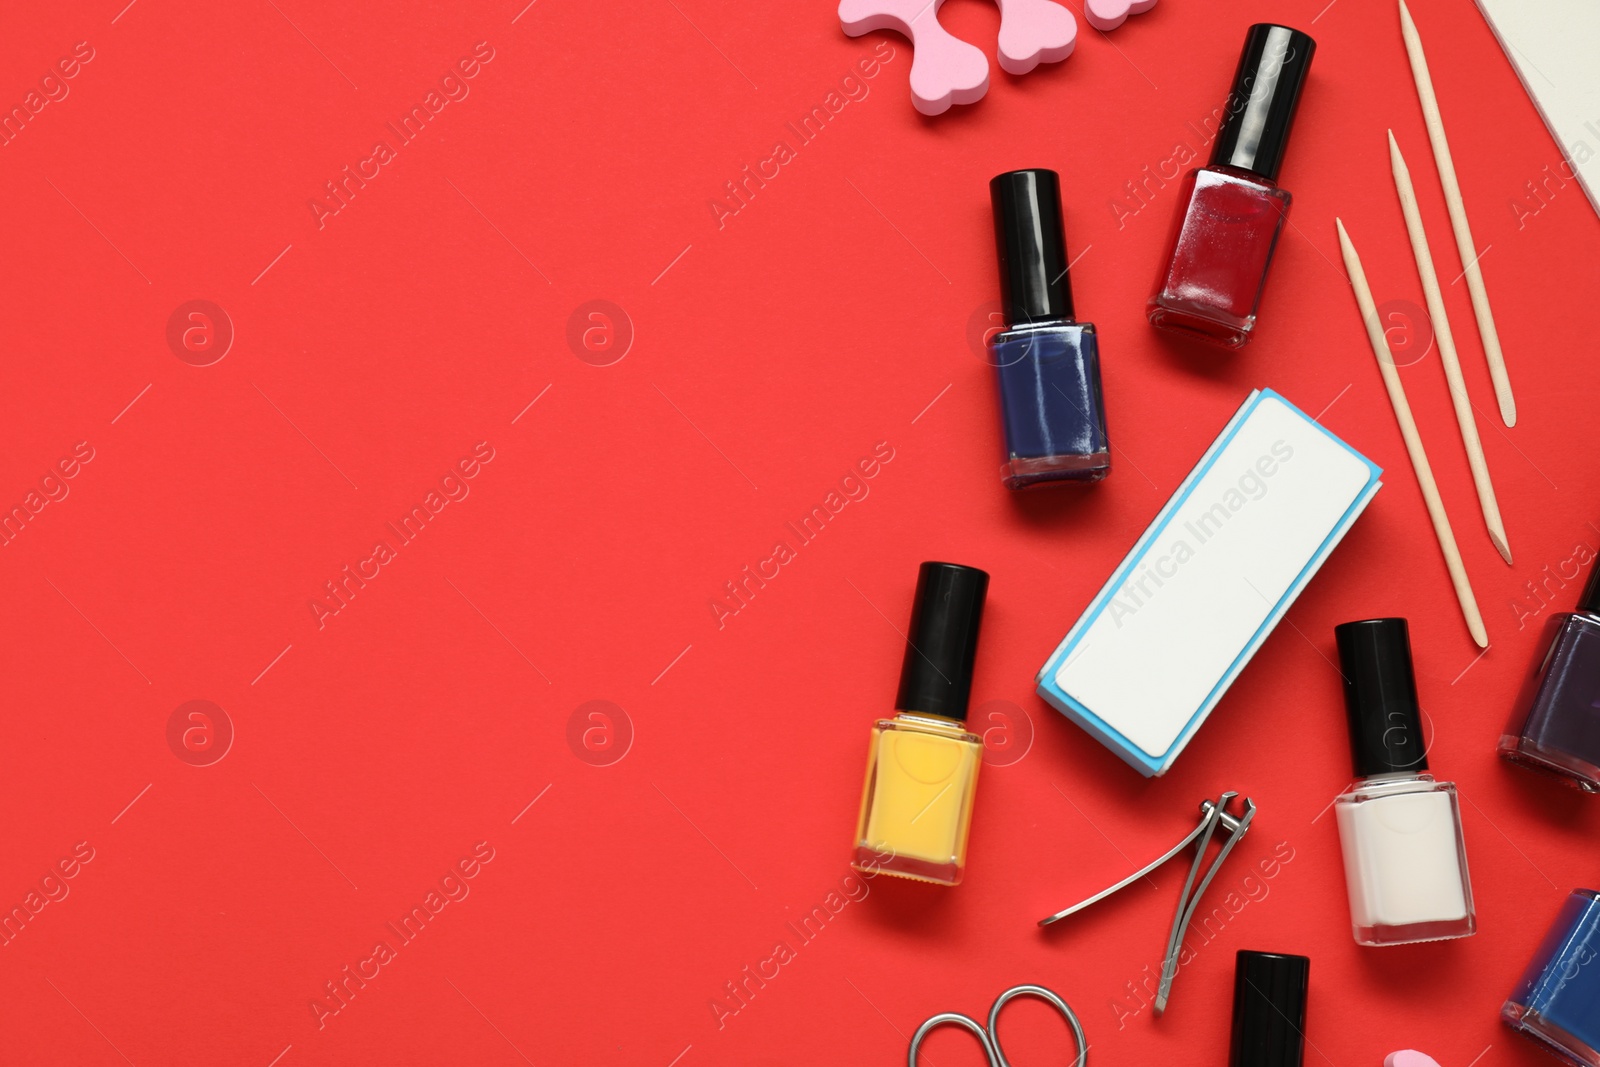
1231 211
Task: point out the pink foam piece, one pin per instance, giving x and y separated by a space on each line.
1409 1058
944 69
1034 32
1109 14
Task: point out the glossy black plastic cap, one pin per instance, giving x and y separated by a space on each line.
1269 1009
1380 697
942 643
1589 599
1261 105
1031 245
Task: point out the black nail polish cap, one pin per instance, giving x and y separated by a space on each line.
1269 1009
1380 697
942 643
1589 599
1032 246
1266 91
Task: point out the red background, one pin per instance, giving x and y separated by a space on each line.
769 355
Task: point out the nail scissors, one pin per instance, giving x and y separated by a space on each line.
989 1036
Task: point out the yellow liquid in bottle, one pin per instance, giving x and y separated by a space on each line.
917 806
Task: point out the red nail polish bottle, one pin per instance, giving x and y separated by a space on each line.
1231 211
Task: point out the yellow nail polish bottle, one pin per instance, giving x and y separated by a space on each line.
922 768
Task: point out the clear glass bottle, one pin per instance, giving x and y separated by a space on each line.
922 767
1048 365
1405 857
1231 212
916 808
1405 860
1217 257
1556 726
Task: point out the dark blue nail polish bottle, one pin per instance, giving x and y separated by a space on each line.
1557 724
1558 1000
1048 365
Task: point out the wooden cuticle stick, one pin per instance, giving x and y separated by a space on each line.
1458 217
1413 440
1447 351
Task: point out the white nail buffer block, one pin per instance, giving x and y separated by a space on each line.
1208 581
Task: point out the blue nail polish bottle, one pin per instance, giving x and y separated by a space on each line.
1558 1000
1048 365
1557 727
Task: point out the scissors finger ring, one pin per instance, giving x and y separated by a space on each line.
989 1036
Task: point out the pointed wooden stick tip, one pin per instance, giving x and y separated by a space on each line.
1501 546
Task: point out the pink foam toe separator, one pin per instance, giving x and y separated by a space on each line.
944 69
1034 32
1409 1058
1109 14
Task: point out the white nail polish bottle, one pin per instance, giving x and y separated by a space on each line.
1405 861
